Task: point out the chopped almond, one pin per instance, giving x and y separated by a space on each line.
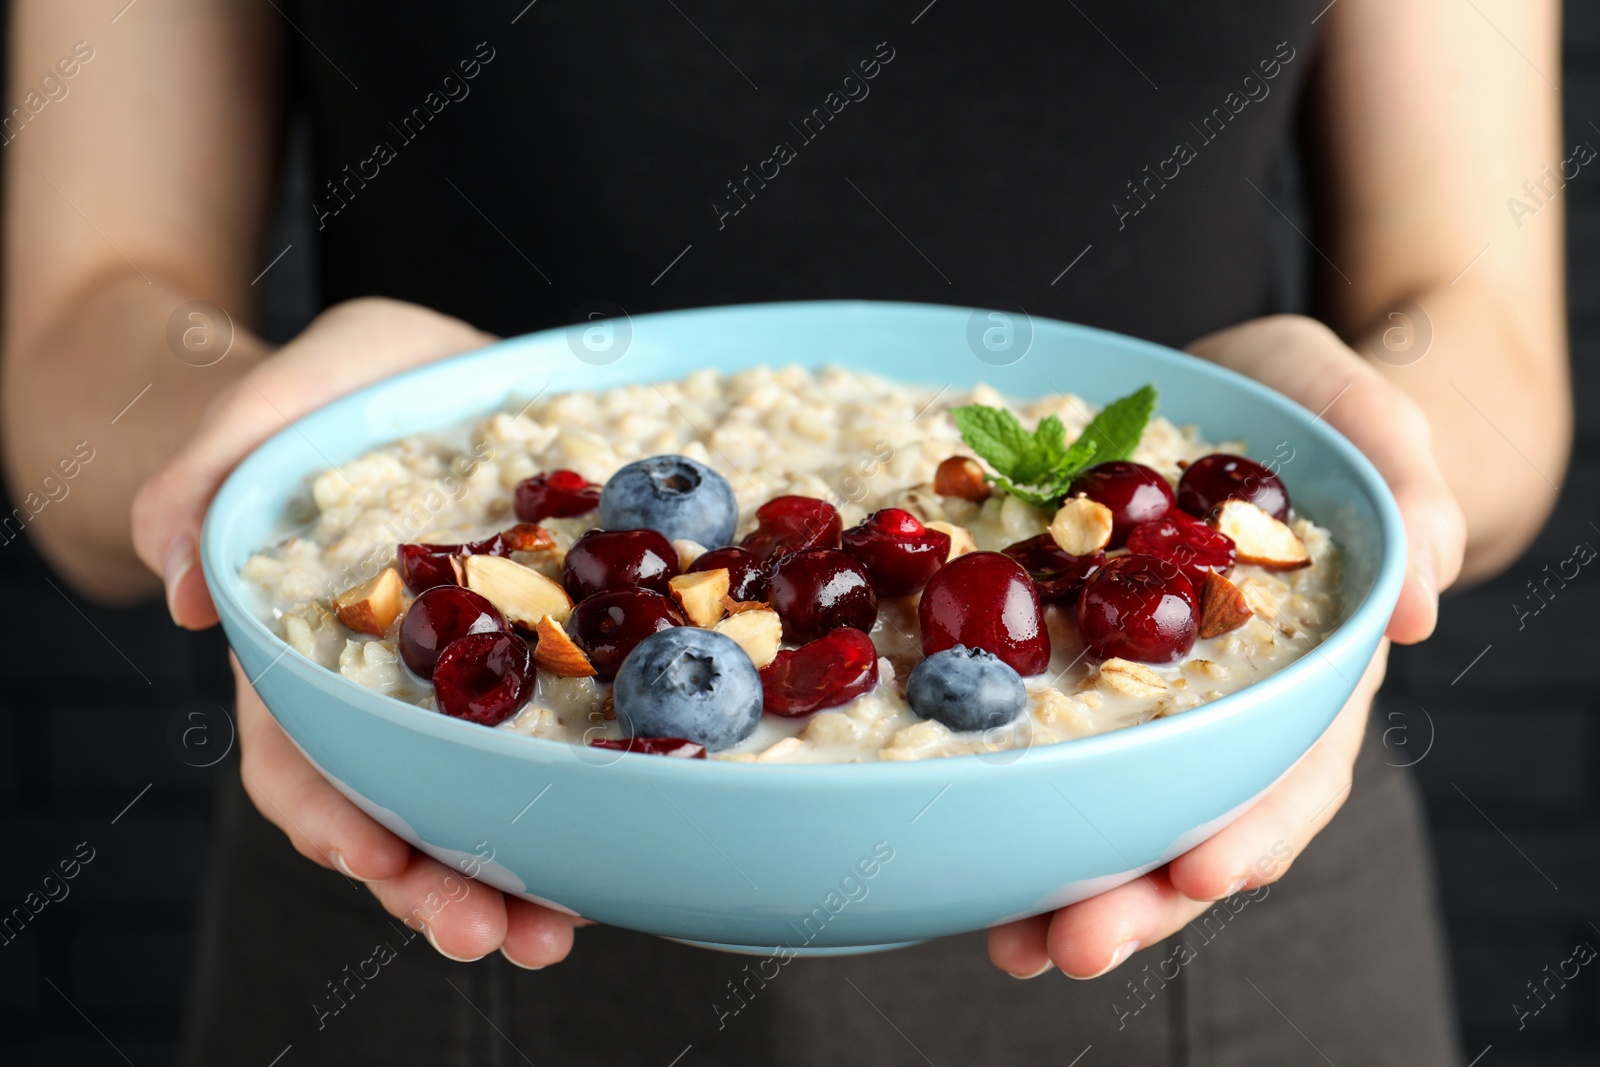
961 539
1082 526
557 653
701 594
960 476
688 551
759 633
1260 538
1222 606
372 606
523 595
528 537
737 607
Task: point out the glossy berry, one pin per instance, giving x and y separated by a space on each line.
1192 546
901 554
1132 491
438 618
608 626
788 524
1058 576
1139 608
820 589
748 573
986 600
673 747
966 689
676 496
484 678
555 495
825 673
618 559
424 566
690 683
1210 480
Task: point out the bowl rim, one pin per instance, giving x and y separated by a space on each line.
227 589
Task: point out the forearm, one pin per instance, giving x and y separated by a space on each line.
101 381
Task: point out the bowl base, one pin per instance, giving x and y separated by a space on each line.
768 950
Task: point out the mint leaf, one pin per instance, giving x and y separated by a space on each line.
994 434
1120 424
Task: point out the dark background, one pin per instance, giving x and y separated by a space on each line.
1512 756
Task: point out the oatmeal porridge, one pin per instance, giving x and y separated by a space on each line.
784 565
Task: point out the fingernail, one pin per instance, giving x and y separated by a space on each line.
1047 966
179 562
1235 887
337 859
514 963
427 931
1118 958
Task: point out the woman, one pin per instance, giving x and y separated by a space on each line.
499 171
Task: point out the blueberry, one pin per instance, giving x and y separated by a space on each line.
966 689
675 495
690 683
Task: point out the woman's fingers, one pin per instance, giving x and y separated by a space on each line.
536 936
1091 937
1019 948
288 791
463 919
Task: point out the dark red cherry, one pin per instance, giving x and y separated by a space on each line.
619 559
1210 480
901 554
819 589
1132 491
1057 575
748 573
608 625
423 566
1190 544
1139 608
555 495
986 600
438 618
484 677
825 673
674 747
793 524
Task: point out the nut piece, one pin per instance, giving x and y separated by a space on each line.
688 551
961 539
1132 679
370 608
1082 527
1259 597
701 594
1222 606
961 476
757 632
556 653
1260 538
734 607
528 537
523 595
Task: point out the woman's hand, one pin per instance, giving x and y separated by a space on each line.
347 347
1307 362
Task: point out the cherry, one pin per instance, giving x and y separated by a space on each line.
748 573
423 566
438 618
825 673
793 524
608 625
1210 480
1132 491
1139 608
901 554
555 495
675 747
1058 575
619 559
819 589
1190 544
985 600
484 677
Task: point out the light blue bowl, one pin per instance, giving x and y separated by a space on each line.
816 858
